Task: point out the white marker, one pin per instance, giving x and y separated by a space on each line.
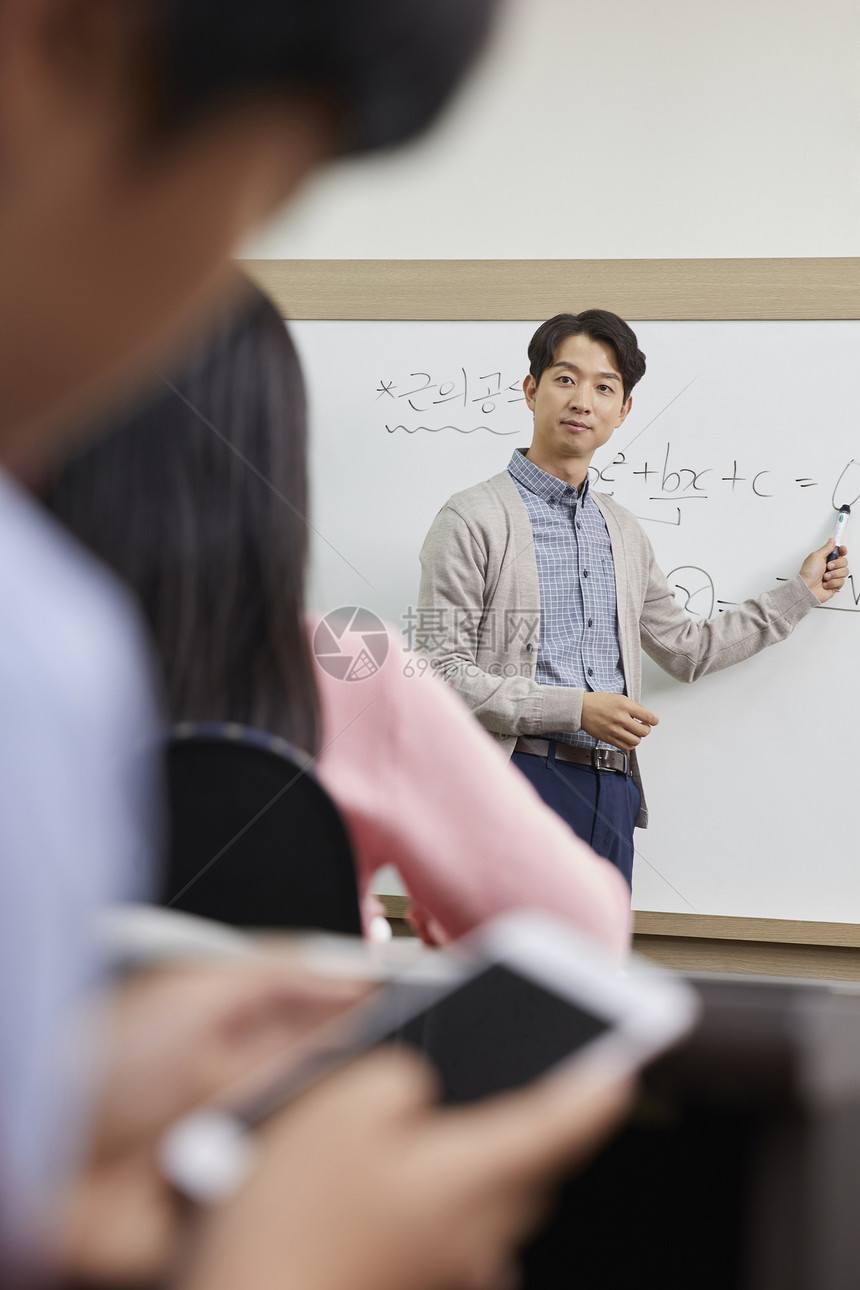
839 531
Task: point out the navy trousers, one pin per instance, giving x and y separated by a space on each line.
600 806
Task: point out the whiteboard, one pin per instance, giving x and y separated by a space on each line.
732 458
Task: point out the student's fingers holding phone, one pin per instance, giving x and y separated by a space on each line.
494 1163
539 1131
508 1152
178 1035
337 1171
366 1152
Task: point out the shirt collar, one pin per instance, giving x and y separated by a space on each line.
537 481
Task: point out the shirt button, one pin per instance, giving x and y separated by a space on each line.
591 622
591 671
578 525
529 648
585 573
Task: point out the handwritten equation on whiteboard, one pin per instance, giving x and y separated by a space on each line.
465 402
694 588
659 485
696 593
660 482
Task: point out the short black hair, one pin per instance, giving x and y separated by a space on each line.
597 324
387 66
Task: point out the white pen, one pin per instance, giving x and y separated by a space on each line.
839 531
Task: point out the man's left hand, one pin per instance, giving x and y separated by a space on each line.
823 576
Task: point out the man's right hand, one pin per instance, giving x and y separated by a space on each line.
616 720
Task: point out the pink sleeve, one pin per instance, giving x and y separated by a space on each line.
424 788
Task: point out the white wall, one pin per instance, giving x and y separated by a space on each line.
642 128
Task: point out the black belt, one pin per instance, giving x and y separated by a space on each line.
599 758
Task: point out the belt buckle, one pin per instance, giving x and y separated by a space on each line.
600 761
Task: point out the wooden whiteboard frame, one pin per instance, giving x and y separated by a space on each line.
647 290
528 290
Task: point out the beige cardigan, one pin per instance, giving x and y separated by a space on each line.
479 614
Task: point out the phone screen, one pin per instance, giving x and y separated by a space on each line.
496 1031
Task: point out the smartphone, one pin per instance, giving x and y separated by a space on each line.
520 997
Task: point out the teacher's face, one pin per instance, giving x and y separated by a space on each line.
578 403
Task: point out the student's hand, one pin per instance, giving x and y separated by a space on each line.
364 1184
616 719
177 1037
825 577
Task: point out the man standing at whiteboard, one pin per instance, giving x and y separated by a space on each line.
537 593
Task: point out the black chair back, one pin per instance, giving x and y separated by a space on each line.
254 838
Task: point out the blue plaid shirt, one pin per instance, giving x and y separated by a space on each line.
576 577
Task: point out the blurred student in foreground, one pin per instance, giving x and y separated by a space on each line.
138 144
198 500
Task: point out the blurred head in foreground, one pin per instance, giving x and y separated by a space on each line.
140 142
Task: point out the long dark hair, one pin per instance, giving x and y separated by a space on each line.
198 500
